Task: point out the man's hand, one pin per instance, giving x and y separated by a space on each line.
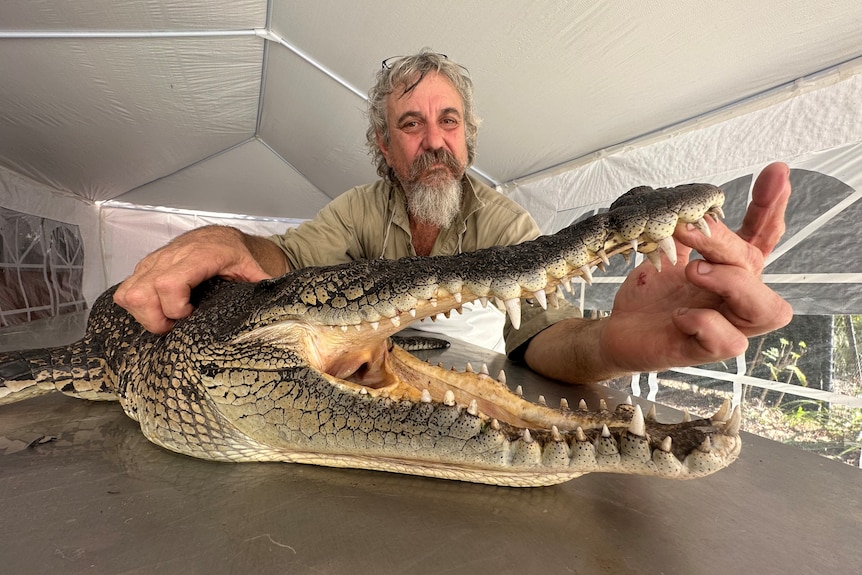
692 313
158 291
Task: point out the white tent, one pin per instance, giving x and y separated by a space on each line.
137 120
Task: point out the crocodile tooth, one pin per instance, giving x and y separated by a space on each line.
396 321
604 256
426 396
586 274
637 425
358 327
601 266
582 405
449 398
513 308
541 297
651 414
703 227
433 302
605 431
666 444
484 369
733 424
552 299
603 405
668 246
363 391
501 377
344 328
468 368
555 433
706 446
606 445
716 212
457 296
527 436
723 413
541 400
686 416
495 425
412 312
580 435
629 400
655 258
374 325
567 284
564 404
519 391
473 408
634 245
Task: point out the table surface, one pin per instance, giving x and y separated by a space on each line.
99 498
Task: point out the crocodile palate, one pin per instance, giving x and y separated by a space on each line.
302 369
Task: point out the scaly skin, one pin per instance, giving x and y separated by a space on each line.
301 368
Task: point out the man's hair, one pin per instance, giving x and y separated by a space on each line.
404 74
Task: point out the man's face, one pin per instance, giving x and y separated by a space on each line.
428 118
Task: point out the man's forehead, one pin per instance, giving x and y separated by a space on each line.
412 93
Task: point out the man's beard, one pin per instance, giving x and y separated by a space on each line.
435 197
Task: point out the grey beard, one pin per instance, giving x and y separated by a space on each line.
436 203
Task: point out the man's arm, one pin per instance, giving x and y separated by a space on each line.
692 313
158 291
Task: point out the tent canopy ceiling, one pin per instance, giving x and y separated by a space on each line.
256 107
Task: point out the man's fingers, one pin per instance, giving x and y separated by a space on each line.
710 336
763 224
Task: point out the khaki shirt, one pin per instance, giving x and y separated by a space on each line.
370 221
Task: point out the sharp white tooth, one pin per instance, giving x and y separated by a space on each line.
629 400
501 377
605 431
527 437
651 414
604 255
655 259
433 302
484 369
412 312
542 298
734 423
723 413
457 297
564 404
634 245
668 246
473 408
580 435
603 405
484 301
375 325
555 433
666 444
363 391
567 284
513 308
468 368
637 425
358 326
426 396
601 266
587 274
716 211
495 425
449 398
582 405
706 446
703 226
542 401
344 328
519 391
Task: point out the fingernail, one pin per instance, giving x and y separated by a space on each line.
704 267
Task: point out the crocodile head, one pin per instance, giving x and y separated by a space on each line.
302 368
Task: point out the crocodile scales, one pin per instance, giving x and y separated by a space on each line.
301 368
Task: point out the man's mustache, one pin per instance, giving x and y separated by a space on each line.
428 159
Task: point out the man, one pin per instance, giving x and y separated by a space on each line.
422 136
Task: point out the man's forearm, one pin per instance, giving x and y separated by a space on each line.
570 351
268 255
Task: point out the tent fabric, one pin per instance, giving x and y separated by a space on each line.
125 117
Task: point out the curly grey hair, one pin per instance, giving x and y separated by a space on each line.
405 73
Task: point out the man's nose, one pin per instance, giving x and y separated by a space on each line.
433 137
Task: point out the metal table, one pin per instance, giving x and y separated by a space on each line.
99 498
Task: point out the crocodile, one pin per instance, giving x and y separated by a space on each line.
303 368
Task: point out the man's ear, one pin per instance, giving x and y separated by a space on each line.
384 147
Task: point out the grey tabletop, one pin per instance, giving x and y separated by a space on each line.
98 498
